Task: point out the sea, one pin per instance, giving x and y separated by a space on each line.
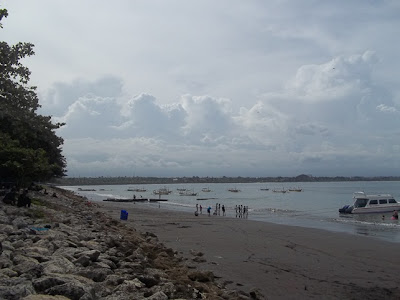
316 206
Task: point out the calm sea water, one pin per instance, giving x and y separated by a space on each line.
316 206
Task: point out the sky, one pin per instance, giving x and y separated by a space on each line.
217 88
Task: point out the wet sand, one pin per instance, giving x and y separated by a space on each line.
281 262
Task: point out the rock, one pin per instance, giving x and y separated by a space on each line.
72 290
95 274
256 294
149 281
21 222
45 297
45 283
82 260
58 264
201 276
92 254
158 296
8 272
8 229
29 269
15 288
88 255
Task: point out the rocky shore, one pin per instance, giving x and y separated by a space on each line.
65 248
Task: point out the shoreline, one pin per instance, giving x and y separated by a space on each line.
280 261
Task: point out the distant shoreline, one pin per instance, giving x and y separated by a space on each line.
206 180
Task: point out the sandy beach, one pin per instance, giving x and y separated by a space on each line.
281 262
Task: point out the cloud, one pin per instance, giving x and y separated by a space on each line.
303 127
386 109
227 87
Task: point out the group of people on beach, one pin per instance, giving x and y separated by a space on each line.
241 211
217 211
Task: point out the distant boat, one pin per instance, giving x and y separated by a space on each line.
134 200
235 190
162 191
295 190
187 193
280 191
206 190
264 189
136 190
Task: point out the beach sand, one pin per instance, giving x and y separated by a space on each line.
281 262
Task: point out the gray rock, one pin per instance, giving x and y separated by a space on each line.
29 269
45 283
71 290
21 222
149 281
8 272
158 296
82 260
92 254
15 288
58 264
95 274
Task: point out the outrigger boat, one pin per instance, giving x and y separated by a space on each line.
136 190
162 191
295 190
187 193
364 203
280 191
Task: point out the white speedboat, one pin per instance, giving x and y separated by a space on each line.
364 203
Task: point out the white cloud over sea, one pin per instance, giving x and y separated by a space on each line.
234 88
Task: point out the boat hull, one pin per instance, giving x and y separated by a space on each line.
375 209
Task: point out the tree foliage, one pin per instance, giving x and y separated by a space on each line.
29 147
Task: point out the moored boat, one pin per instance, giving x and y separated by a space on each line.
365 203
187 193
136 190
162 191
295 190
86 190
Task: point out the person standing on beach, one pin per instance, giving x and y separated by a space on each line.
223 210
209 210
197 207
201 209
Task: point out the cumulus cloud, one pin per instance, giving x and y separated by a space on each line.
304 127
386 109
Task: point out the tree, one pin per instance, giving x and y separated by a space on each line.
29 147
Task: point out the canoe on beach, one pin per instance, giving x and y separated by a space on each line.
134 200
